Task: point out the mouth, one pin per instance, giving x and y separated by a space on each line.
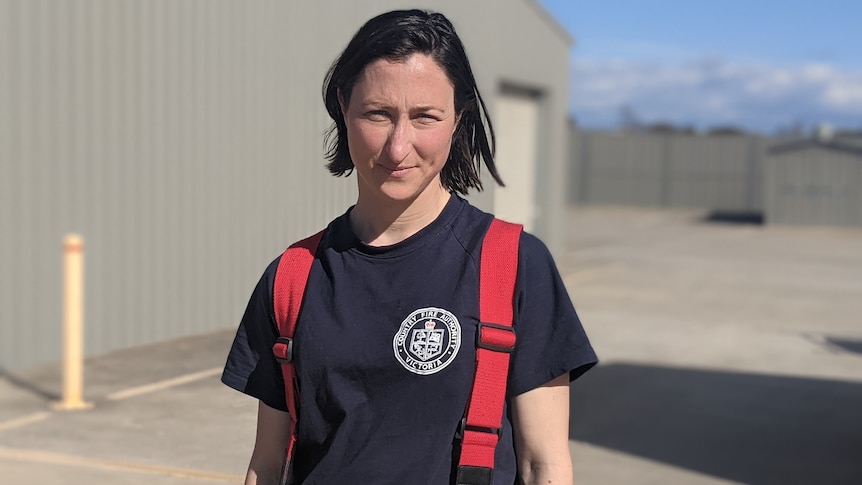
398 171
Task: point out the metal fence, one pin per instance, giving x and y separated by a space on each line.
666 170
803 182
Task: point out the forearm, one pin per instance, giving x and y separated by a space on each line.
258 476
541 434
546 473
268 455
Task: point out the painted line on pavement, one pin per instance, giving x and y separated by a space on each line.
158 386
35 456
24 421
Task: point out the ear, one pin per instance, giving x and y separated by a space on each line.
457 123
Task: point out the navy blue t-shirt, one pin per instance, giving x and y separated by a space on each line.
385 350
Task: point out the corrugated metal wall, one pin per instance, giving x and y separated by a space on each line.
715 172
183 141
666 170
615 168
160 132
814 186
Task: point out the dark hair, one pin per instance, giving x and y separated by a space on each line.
396 36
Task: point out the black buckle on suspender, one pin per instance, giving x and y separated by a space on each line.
283 350
485 340
474 475
459 434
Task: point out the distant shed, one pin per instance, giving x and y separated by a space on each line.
814 182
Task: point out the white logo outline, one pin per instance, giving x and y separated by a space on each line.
427 340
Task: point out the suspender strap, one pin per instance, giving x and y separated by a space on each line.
288 290
495 342
495 337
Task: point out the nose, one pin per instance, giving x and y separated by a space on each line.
400 141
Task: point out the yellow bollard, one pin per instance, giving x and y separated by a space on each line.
73 325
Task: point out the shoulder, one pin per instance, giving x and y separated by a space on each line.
471 226
271 269
533 250
530 247
314 243
265 285
468 225
538 273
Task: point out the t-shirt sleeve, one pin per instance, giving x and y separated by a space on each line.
251 367
550 338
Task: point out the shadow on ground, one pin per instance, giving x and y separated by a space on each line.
754 429
28 385
735 217
852 346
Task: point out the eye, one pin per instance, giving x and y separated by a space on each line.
377 115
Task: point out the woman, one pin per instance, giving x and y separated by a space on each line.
408 119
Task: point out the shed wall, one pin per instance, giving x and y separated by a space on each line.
183 141
814 187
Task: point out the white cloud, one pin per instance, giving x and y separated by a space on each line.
716 91
845 95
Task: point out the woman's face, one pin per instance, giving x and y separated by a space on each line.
400 121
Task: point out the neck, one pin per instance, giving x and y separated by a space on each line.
386 222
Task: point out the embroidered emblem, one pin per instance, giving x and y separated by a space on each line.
427 341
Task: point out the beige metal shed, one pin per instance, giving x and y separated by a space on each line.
183 141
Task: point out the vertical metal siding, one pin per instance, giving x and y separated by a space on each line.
665 170
166 134
814 187
709 172
619 169
183 141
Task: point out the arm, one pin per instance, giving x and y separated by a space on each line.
540 420
273 433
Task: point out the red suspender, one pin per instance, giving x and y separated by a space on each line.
495 342
290 279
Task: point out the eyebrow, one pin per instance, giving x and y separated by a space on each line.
422 107
428 108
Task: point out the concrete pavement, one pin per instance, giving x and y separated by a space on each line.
731 351
730 354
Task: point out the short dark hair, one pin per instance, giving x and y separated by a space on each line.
396 36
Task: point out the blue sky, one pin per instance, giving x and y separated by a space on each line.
762 65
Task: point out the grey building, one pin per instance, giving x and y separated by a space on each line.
814 182
673 170
183 141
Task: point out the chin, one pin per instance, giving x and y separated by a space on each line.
399 193
396 192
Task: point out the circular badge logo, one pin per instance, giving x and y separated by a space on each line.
427 341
